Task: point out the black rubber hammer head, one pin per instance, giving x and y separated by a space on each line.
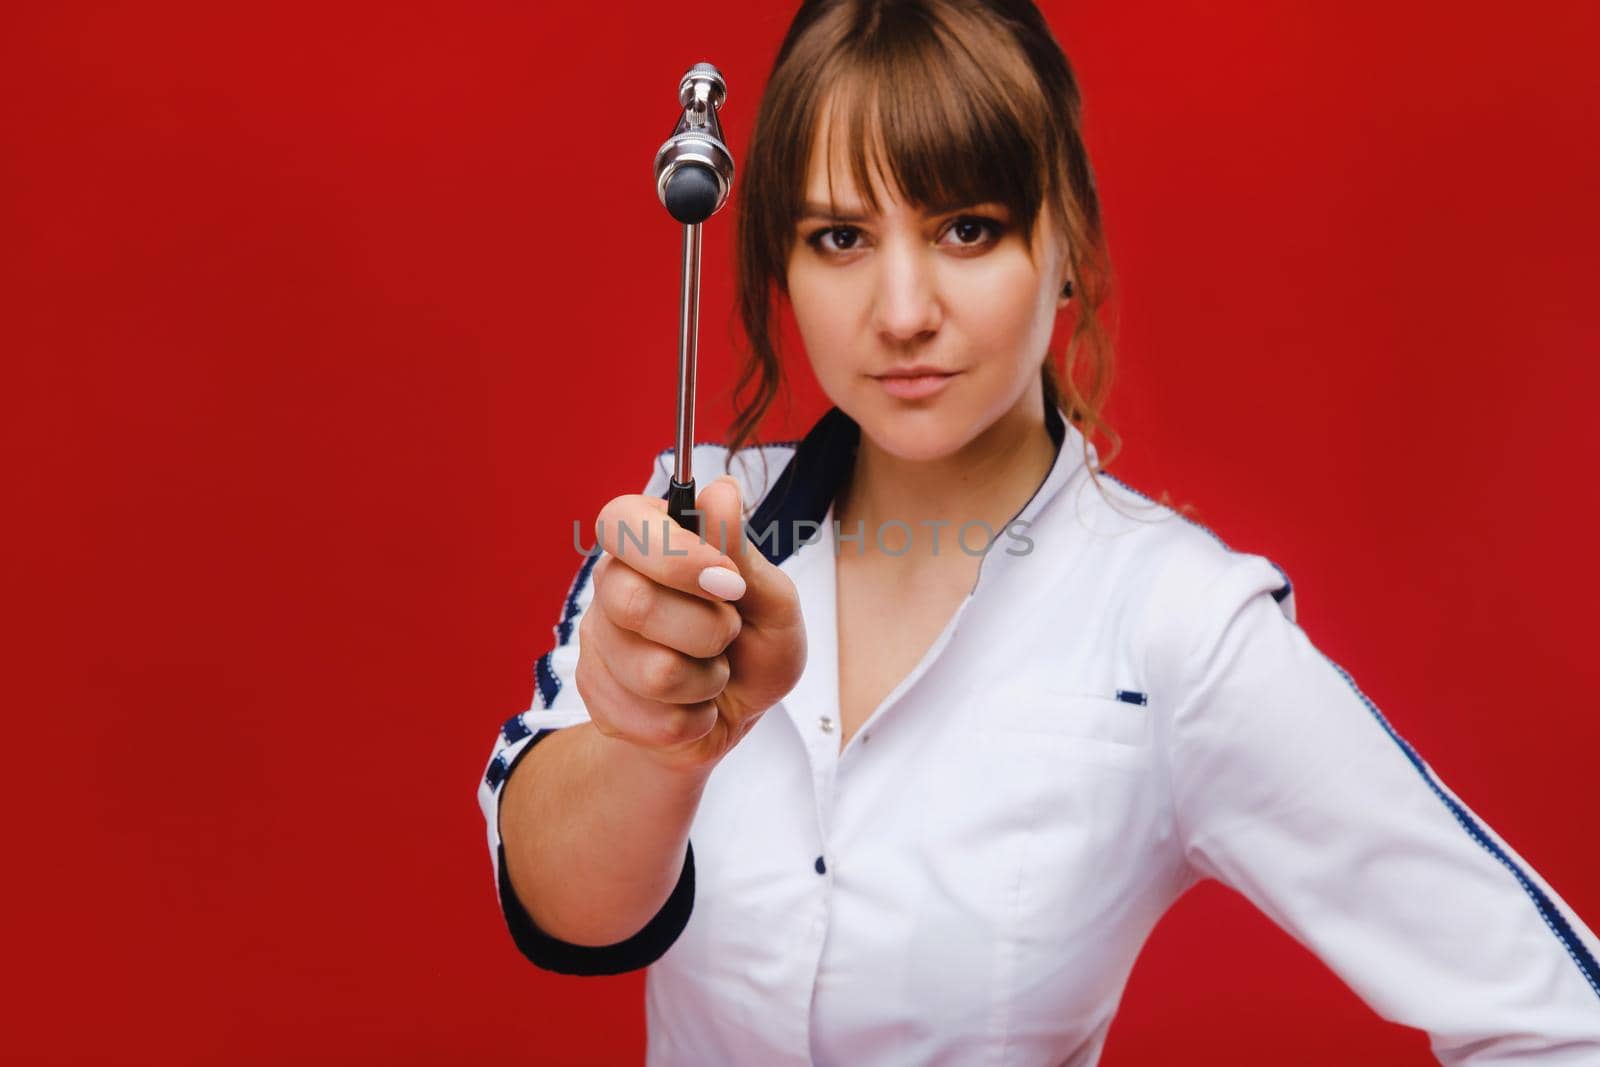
694 170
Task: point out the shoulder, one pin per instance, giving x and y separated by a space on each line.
1185 582
1180 554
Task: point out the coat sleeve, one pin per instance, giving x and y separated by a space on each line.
556 705
1290 786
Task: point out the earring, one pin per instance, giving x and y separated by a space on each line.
1066 291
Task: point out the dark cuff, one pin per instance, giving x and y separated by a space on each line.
563 957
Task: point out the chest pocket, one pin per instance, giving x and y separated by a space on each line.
1071 715
1065 721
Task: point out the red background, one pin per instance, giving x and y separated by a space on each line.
317 339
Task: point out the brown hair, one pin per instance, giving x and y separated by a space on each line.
954 102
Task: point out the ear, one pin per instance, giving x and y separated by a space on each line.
1067 282
1068 288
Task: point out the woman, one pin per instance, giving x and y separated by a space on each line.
918 792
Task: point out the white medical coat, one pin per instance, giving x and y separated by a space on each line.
1125 709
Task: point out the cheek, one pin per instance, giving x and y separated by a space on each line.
823 311
1004 310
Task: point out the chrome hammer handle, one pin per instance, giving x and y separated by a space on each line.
694 173
681 489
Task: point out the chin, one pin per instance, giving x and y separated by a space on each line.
915 432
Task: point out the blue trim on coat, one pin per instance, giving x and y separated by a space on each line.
496 772
1547 909
570 610
543 674
544 677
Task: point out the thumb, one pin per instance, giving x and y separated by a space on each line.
721 507
721 510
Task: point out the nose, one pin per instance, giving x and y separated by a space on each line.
906 303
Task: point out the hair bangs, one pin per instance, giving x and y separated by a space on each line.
923 117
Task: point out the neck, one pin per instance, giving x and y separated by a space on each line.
989 480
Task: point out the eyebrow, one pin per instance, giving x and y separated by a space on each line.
813 210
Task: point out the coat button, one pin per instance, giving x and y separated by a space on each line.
826 723
821 868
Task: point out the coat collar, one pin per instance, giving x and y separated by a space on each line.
823 459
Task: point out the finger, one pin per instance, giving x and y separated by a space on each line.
651 670
618 712
664 615
637 531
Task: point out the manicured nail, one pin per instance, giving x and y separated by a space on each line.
721 581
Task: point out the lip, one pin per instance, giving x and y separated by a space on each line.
915 386
916 370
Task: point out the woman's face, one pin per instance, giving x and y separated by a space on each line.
953 289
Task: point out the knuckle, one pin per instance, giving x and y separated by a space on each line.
713 639
605 728
669 728
611 594
635 605
679 726
664 673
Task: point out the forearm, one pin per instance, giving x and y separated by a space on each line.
594 834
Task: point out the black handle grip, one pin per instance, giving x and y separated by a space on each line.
680 501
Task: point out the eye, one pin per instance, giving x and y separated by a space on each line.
972 231
833 239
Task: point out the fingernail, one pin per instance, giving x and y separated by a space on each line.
721 581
